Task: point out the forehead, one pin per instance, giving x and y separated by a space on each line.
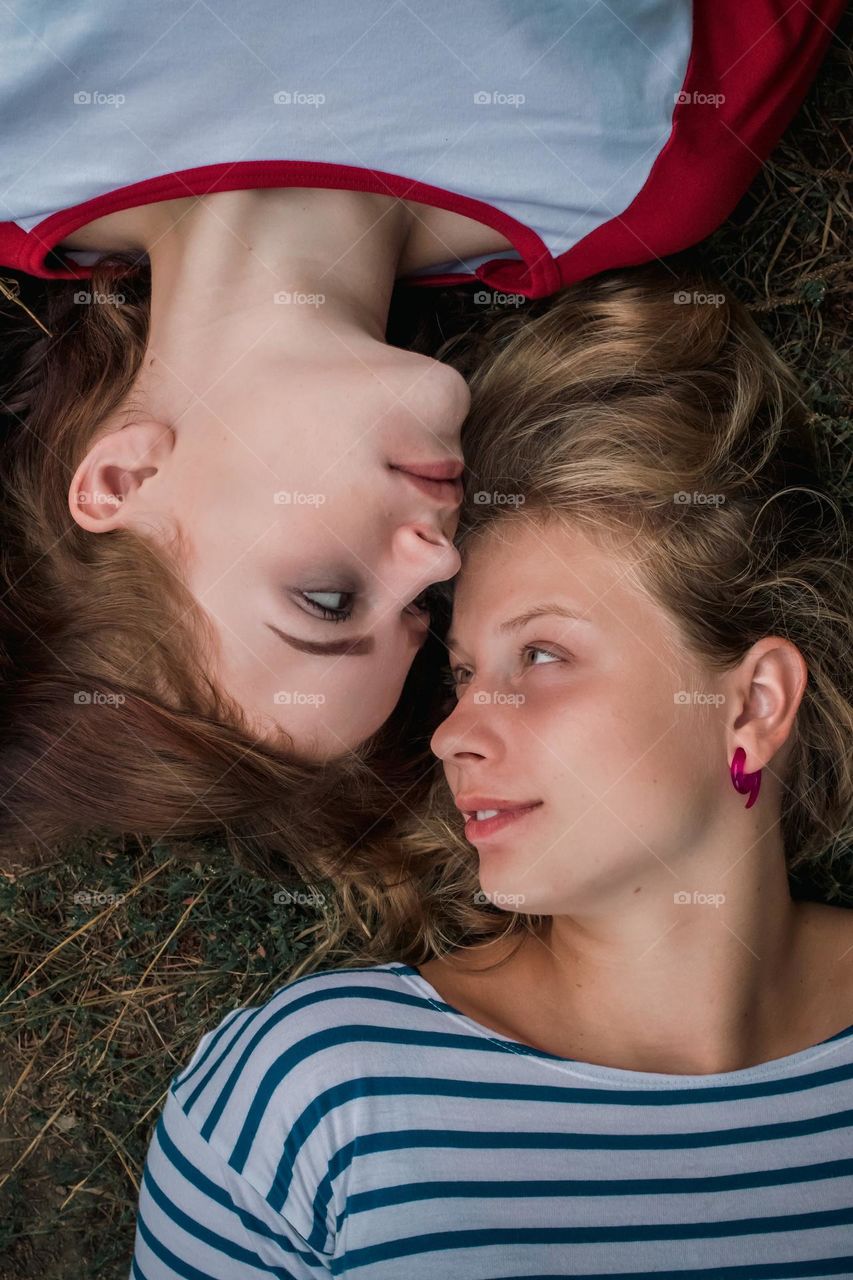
523 563
523 556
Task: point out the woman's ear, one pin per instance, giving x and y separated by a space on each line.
767 686
107 486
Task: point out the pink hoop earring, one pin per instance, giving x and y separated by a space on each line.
745 783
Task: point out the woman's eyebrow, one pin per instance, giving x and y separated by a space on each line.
541 611
357 645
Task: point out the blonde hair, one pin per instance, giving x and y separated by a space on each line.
601 404
607 404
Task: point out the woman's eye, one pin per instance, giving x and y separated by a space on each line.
545 654
334 605
455 677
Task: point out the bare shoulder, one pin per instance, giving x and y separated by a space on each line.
461 973
473 983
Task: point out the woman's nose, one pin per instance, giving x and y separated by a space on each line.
464 734
422 555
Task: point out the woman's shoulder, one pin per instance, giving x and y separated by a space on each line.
306 1030
302 1016
271 1081
268 1096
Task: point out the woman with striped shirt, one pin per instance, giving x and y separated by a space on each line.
597 1036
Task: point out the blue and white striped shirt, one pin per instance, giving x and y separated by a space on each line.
357 1125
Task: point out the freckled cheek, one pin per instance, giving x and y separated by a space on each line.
590 742
640 760
555 742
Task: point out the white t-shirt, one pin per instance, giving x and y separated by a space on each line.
590 135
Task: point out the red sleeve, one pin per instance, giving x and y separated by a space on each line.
759 57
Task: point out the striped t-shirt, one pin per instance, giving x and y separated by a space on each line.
358 1125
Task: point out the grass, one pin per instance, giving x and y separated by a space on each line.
116 959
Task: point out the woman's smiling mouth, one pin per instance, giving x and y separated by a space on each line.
485 816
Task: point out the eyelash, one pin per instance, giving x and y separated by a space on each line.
323 611
451 681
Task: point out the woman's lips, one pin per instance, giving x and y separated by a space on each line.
440 480
477 829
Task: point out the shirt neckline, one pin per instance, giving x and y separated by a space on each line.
537 272
621 1075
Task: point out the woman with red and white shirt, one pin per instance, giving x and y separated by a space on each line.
224 404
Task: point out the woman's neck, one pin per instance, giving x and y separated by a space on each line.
279 267
244 254
713 991
434 235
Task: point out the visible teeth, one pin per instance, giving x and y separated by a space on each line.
486 813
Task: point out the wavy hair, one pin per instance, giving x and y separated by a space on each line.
110 724
606 404
599 404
